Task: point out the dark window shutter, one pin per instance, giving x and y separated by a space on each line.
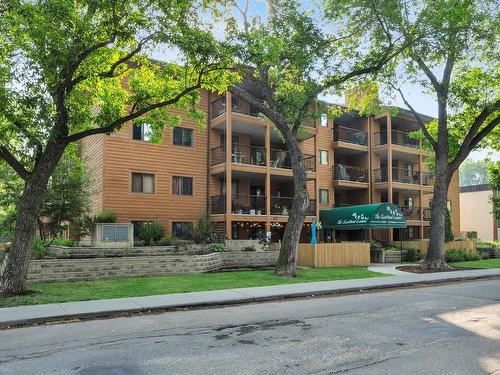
137 132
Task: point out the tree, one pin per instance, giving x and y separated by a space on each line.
290 61
474 172
455 57
73 69
66 200
494 180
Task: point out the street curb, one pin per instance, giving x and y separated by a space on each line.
228 302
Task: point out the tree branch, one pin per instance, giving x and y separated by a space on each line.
14 163
428 73
473 138
418 119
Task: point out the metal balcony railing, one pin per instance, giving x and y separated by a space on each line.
401 175
248 204
350 135
411 212
252 155
281 159
342 172
427 179
283 206
398 137
238 106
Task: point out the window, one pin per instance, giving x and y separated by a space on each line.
324 120
183 137
141 132
143 183
182 229
323 157
408 170
235 103
182 185
323 196
114 233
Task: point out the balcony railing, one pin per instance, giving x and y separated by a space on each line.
405 176
283 206
426 214
344 172
281 159
398 137
239 106
256 155
256 205
411 212
427 179
248 204
252 155
350 135
401 175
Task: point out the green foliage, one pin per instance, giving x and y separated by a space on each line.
39 249
494 180
127 251
412 255
460 255
471 234
376 245
105 217
474 172
203 231
151 233
448 230
216 247
168 241
63 242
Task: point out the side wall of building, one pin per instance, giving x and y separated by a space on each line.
475 214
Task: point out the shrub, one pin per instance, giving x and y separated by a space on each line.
203 231
138 243
64 242
105 217
412 255
216 247
448 233
151 233
471 235
167 241
460 255
39 249
375 245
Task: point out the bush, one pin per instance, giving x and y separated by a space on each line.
460 255
216 247
168 241
39 249
64 242
151 233
375 245
105 217
412 255
471 235
203 231
448 233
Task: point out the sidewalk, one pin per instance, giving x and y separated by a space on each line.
12 316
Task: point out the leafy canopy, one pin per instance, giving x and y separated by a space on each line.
73 68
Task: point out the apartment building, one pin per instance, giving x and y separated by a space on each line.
238 172
476 215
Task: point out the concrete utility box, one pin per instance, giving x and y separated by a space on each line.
112 235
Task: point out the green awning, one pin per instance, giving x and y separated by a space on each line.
366 216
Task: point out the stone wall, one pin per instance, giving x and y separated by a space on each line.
95 252
249 259
114 267
103 268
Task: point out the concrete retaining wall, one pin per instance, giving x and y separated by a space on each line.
249 259
105 268
102 268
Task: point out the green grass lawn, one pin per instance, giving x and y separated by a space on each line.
483 263
147 286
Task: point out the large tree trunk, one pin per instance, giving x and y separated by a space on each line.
14 271
288 253
435 255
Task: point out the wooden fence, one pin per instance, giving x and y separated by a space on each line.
344 254
423 245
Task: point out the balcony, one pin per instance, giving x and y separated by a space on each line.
342 172
218 107
250 155
283 206
256 155
427 179
256 205
398 137
350 135
411 212
400 175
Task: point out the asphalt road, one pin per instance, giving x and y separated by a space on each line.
449 329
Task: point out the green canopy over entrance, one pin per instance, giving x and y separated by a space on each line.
366 216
